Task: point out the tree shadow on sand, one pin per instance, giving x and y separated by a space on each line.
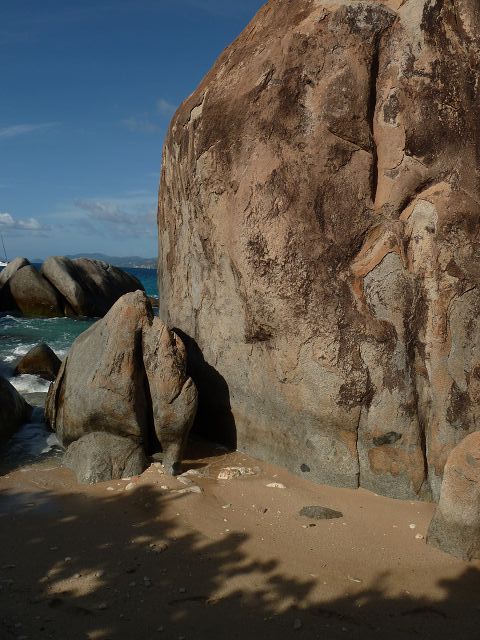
79 565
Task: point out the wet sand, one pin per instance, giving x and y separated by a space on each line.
150 558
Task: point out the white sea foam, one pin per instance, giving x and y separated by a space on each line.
33 439
20 350
29 384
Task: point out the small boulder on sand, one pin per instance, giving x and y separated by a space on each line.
455 526
40 361
100 456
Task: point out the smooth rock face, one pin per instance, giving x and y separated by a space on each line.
14 411
455 526
126 375
318 219
100 456
40 361
34 295
90 287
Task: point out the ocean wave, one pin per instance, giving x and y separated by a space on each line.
27 383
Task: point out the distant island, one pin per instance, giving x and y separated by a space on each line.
135 262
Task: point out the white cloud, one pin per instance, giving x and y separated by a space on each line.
13 226
24 129
133 214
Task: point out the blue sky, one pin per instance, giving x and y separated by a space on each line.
88 89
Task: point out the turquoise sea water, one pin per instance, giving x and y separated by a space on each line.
18 335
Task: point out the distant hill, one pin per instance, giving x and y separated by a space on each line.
127 261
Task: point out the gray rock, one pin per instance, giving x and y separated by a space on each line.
41 361
320 513
34 295
14 411
90 287
100 456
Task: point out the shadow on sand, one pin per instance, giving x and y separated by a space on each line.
76 565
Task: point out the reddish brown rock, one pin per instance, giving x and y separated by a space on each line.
455 526
318 219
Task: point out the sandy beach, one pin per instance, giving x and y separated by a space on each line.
153 557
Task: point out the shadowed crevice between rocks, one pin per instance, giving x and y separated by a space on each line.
214 420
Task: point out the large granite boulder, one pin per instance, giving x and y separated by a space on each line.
7 302
12 267
455 526
34 295
14 411
126 375
41 361
100 456
318 220
90 287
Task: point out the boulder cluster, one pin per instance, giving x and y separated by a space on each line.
126 377
63 287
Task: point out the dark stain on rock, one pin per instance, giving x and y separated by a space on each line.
388 438
459 408
391 109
